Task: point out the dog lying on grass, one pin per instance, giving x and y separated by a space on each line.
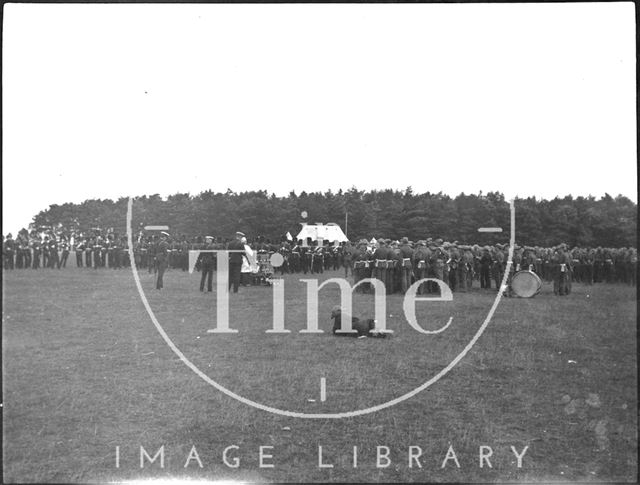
363 328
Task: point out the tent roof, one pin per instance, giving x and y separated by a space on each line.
328 232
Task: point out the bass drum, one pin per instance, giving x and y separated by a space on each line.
526 284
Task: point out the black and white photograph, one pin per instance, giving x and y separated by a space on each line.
319 243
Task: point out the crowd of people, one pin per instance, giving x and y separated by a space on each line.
398 263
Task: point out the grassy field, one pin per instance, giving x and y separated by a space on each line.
85 371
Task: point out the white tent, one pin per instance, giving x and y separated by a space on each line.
328 232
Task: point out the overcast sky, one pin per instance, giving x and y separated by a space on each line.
104 101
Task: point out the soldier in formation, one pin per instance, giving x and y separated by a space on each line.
396 263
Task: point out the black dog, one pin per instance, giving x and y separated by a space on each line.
362 327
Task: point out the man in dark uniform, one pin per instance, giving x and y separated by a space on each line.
54 258
162 259
9 249
19 252
379 262
420 262
27 250
361 265
124 249
103 253
588 262
317 259
94 246
118 253
206 263
439 259
98 262
294 257
235 261
88 251
562 271
347 258
466 268
337 255
485 268
65 252
79 249
498 265
23 252
143 250
394 266
306 256
110 258
452 265
37 251
151 254
406 270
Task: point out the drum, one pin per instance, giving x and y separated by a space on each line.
526 284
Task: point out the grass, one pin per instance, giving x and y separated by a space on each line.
84 371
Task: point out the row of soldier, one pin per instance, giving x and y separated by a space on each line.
404 261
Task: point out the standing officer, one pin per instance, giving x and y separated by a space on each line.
118 253
394 267
45 252
439 258
64 245
294 259
588 262
151 254
467 270
79 249
562 268
485 268
54 258
19 252
361 266
235 261
305 256
205 261
452 266
347 258
598 265
498 265
420 258
9 249
37 251
317 260
88 251
162 259
406 252
28 258
103 253
110 257
143 247
379 260
96 246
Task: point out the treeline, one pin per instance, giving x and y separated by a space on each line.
580 221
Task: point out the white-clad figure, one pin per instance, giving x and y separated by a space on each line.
249 264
